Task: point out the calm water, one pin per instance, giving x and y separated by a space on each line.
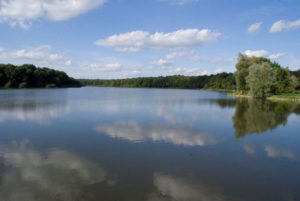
110 144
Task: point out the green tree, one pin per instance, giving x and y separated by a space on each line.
260 80
242 71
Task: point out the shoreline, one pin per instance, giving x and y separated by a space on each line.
271 98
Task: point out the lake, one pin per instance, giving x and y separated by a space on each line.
118 144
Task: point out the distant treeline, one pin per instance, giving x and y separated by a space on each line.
30 76
222 81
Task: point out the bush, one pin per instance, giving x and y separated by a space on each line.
23 85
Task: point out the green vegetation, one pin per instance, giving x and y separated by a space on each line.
261 78
297 75
29 76
257 77
222 81
292 96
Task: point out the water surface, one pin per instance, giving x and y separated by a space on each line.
117 144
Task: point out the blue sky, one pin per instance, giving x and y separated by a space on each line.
132 38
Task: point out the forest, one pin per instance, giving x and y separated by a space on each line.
30 76
222 81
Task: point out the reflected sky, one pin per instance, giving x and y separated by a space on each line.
32 105
175 188
146 144
135 132
30 174
275 152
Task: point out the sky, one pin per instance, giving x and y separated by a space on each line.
109 39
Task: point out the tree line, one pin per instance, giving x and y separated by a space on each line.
256 76
30 76
224 81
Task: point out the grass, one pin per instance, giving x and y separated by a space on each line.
285 97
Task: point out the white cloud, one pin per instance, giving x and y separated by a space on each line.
162 62
43 56
23 12
135 132
181 2
137 40
40 54
169 66
276 56
283 25
188 71
263 53
68 62
110 70
219 70
175 55
168 59
256 53
106 67
254 28
275 152
249 149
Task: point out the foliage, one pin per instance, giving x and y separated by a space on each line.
242 71
297 75
29 76
267 77
292 96
260 80
224 81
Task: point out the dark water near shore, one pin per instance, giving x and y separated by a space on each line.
114 144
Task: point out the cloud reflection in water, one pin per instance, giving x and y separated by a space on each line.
40 113
181 189
135 132
274 152
30 175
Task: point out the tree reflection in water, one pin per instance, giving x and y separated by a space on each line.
257 116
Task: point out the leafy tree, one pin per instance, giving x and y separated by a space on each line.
242 71
260 80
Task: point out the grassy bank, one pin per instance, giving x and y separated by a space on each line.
288 96
279 97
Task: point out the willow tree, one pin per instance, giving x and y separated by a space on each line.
260 80
242 71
